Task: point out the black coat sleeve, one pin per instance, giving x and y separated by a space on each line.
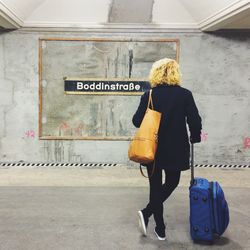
193 119
139 114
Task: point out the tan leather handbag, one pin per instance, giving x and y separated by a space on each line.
143 146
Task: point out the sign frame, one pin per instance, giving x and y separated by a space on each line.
97 39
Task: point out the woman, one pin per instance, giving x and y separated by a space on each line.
177 107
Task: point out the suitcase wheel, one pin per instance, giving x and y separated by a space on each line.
204 199
195 198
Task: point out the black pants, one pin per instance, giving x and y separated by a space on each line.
160 192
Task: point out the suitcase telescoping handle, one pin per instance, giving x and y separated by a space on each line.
192 164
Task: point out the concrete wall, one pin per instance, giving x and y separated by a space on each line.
214 67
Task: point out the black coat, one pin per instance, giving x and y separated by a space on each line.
177 106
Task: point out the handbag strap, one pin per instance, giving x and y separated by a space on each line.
150 100
151 172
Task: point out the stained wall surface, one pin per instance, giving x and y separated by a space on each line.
214 67
93 116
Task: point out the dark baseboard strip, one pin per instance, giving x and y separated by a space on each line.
94 165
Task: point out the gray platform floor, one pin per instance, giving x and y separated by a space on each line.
96 215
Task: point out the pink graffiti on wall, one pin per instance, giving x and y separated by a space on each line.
204 136
30 134
64 126
79 129
246 143
66 129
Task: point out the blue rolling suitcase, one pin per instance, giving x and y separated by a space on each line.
209 214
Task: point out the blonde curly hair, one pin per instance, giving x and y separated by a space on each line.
165 71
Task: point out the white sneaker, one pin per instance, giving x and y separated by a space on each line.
159 237
142 224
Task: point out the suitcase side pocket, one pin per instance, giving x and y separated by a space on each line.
220 209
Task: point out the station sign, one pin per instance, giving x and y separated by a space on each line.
105 86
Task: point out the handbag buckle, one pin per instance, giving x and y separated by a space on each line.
156 137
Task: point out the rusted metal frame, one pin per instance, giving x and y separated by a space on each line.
40 89
110 39
177 41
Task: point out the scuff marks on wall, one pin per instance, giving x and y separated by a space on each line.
131 57
111 119
122 130
111 112
93 126
116 63
60 151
